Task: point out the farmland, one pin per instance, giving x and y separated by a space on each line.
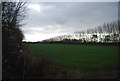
78 56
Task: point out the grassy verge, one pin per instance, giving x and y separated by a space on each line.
78 59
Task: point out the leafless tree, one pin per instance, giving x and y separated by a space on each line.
12 15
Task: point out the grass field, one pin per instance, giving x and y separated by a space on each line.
81 56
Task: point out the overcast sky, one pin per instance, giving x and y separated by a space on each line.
48 19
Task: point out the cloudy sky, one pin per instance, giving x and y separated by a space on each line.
48 19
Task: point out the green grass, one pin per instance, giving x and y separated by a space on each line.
83 56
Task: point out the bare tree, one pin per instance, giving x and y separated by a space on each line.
12 15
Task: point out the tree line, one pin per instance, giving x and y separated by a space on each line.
106 33
19 63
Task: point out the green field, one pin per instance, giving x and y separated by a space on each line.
82 56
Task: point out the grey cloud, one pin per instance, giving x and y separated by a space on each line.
70 16
73 13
